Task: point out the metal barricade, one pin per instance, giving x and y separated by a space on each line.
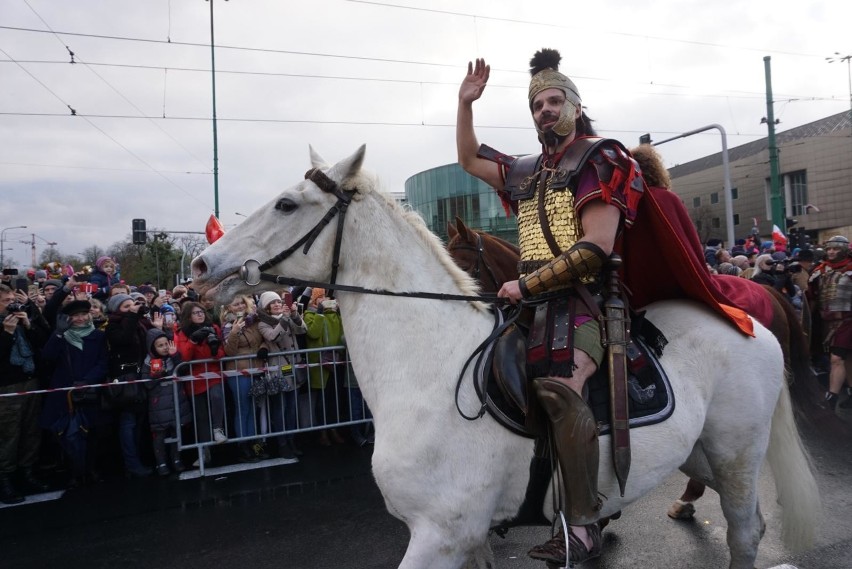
287 393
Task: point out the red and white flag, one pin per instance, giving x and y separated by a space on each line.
778 238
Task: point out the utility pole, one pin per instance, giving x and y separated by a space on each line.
777 206
215 132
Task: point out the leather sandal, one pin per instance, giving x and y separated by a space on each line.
553 550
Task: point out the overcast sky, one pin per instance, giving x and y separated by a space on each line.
339 73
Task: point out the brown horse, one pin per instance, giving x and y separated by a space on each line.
493 261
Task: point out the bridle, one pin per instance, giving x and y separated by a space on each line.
252 271
480 260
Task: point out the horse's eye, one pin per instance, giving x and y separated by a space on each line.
286 205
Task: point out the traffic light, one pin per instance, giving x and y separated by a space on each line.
645 139
790 222
140 235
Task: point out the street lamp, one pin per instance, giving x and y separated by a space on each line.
3 239
837 58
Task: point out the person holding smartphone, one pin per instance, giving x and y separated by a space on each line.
23 333
243 338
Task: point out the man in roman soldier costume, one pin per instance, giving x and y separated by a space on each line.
576 203
571 202
831 289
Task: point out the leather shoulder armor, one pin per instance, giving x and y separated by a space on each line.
523 176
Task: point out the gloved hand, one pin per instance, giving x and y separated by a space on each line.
263 354
201 334
213 343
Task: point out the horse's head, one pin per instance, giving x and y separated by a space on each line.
488 259
293 234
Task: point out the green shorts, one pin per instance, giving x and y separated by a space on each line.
587 337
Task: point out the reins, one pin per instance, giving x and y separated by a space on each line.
252 271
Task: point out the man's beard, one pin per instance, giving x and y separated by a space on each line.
551 139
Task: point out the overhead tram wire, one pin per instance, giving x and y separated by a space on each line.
99 129
735 94
331 122
108 84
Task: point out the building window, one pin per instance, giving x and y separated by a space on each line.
714 197
736 219
696 202
716 223
735 194
798 184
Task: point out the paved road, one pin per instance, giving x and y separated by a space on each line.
326 512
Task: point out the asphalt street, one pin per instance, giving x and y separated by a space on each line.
326 512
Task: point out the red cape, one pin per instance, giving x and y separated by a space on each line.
664 259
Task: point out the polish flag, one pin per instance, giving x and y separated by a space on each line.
213 230
779 239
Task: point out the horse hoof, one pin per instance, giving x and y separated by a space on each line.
681 510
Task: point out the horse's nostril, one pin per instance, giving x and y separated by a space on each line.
199 267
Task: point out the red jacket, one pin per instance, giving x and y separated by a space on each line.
189 352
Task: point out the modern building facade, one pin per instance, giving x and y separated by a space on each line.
440 194
815 163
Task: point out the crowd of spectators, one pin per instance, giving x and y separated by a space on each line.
79 330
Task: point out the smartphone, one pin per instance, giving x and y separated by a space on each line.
33 290
22 284
10 272
288 299
300 307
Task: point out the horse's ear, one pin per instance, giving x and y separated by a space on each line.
350 166
451 230
317 161
462 229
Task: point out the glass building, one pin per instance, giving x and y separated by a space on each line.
440 194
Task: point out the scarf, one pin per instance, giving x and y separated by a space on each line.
75 334
22 353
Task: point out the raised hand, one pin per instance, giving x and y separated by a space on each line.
474 83
172 348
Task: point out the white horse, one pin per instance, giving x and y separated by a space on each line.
450 479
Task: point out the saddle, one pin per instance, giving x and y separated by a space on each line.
502 381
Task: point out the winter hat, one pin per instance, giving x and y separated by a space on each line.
268 297
52 282
41 274
102 260
151 337
779 256
138 296
117 301
145 289
76 307
167 308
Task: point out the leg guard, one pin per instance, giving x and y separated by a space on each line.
575 435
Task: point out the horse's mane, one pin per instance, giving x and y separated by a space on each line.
466 284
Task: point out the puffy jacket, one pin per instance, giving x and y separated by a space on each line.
189 352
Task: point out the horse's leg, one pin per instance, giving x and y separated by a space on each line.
683 508
440 548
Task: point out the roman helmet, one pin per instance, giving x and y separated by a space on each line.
544 68
838 242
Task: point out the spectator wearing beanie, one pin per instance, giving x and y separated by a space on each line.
279 325
126 332
104 276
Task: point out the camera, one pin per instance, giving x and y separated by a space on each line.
143 309
10 272
15 307
81 277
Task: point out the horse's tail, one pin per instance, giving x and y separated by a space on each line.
804 387
797 489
